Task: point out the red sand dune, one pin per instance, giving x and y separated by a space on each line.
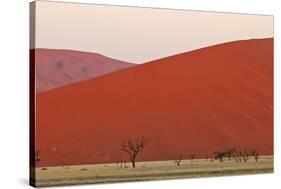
56 68
191 103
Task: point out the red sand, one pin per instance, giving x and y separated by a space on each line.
56 68
192 103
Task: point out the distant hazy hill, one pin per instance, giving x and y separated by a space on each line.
56 68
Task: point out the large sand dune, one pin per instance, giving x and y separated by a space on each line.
191 103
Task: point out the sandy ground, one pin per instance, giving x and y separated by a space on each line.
103 173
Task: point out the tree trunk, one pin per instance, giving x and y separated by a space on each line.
134 160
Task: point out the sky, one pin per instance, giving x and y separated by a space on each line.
139 35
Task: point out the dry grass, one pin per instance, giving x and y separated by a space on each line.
103 173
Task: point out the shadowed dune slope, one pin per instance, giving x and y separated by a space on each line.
56 68
191 103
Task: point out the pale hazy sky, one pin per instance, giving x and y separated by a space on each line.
139 35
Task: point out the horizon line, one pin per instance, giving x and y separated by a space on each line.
92 52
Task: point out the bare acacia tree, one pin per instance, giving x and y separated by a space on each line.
236 155
178 159
255 154
245 154
219 156
132 147
242 154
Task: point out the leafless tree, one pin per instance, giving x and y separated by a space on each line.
220 156
245 154
132 147
255 154
178 159
241 155
125 164
236 155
